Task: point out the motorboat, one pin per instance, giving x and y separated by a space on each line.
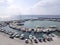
22 36
26 41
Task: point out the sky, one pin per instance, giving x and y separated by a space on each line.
29 7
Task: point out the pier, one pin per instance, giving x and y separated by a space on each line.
38 29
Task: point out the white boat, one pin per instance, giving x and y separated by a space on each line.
22 36
30 37
17 35
26 41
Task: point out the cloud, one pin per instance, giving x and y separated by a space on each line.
43 7
8 8
46 7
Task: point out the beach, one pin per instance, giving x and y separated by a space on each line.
5 40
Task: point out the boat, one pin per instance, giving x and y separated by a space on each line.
35 40
49 39
30 37
10 33
17 35
22 36
2 30
40 39
11 36
52 27
44 39
26 41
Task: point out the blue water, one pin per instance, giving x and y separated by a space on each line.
46 24
21 17
36 16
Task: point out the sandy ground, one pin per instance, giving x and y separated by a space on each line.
5 40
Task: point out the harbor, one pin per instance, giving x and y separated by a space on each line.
30 32
29 22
